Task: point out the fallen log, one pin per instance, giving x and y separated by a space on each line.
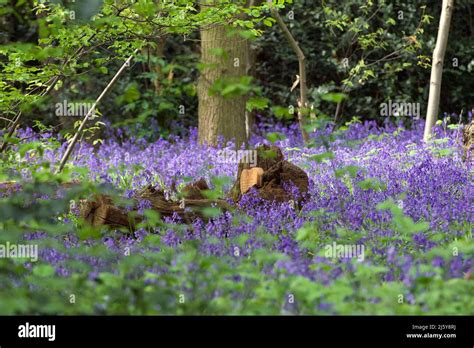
102 211
14 186
187 208
271 177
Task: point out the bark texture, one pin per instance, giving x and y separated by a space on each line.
218 115
468 142
437 67
101 210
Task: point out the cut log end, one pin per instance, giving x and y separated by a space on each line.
278 174
468 142
250 178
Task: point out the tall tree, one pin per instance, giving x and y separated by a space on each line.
225 57
437 67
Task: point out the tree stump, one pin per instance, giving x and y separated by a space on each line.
468 141
276 174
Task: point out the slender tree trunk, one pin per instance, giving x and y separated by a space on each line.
250 116
303 100
219 116
155 67
250 71
437 67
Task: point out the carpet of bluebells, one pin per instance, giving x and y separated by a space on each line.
409 204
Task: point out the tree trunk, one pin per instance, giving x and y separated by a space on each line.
155 67
303 101
219 116
437 67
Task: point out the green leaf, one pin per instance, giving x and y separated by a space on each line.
302 233
273 137
351 170
43 271
372 184
334 97
104 70
257 103
322 157
268 22
211 212
34 145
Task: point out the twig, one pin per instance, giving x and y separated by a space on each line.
6 119
69 149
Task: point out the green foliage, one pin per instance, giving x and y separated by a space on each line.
401 223
388 46
79 46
